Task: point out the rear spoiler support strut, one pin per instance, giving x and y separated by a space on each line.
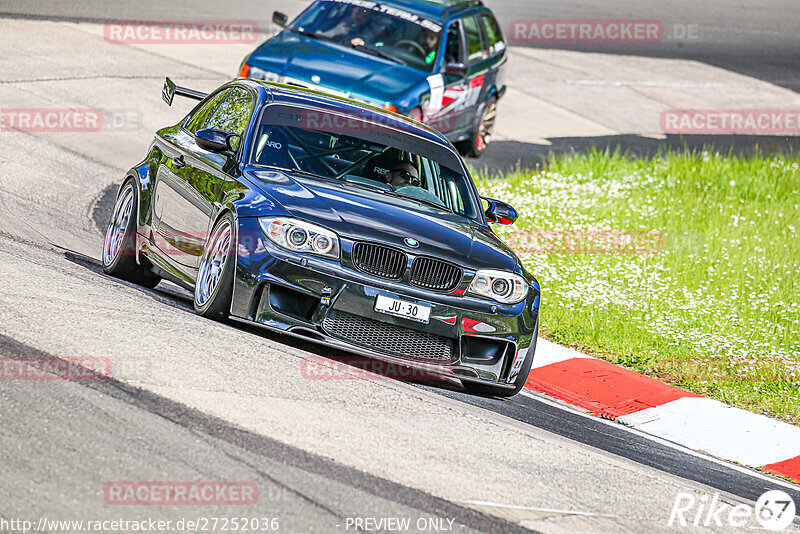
170 90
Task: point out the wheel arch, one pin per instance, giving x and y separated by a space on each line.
495 92
144 175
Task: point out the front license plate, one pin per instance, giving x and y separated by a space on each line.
401 308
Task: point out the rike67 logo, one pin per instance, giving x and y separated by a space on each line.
775 510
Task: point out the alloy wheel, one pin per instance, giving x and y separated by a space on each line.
213 263
486 126
120 219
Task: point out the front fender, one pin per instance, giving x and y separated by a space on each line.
250 249
249 202
247 205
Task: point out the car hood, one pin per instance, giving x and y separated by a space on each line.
357 213
339 68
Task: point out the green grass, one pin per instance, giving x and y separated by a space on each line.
714 307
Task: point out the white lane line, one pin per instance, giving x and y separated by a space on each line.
548 352
720 430
489 504
672 445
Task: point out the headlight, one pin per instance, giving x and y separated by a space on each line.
508 288
301 236
261 74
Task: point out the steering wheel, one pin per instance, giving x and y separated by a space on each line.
413 45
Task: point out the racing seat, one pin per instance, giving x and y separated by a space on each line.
378 167
273 148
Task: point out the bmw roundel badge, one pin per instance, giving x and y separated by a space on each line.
411 242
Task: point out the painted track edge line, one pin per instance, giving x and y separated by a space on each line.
614 392
749 471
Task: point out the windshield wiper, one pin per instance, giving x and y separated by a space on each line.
395 194
379 53
420 200
294 171
344 180
400 195
313 35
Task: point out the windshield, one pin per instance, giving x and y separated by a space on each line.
363 154
374 28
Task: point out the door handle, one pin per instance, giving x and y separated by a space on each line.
178 162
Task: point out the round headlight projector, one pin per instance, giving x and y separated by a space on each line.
297 237
500 287
481 283
322 244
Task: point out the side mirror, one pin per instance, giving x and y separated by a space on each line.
217 141
459 70
280 19
499 212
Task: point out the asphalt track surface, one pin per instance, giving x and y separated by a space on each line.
759 39
755 39
195 400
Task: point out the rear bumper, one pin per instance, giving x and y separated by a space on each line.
329 303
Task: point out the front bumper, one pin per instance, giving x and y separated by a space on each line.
332 303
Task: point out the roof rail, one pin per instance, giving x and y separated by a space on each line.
462 5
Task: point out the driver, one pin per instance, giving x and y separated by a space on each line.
430 43
355 27
402 174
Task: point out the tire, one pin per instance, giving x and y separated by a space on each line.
119 244
492 391
214 286
481 136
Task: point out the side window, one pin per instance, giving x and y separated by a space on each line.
198 122
233 113
476 51
452 51
493 33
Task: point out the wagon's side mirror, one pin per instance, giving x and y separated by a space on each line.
218 141
499 212
280 19
459 70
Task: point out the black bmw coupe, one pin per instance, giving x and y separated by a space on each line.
333 221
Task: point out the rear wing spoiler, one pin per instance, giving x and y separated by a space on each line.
170 90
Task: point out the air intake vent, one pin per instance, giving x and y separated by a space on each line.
435 275
379 260
388 338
